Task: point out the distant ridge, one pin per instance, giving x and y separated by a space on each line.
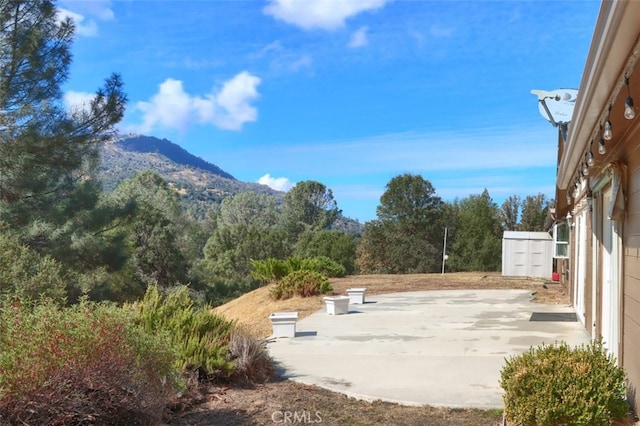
200 184
175 153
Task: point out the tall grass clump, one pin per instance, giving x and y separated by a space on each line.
199 337
560 385
86 364
252 360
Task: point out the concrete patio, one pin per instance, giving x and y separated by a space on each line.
439 348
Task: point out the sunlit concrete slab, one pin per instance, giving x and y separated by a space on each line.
441 348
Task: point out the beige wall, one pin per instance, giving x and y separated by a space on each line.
631 266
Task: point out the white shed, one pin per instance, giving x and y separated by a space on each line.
527 254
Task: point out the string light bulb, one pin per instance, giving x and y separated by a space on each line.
608 133
602 150
629 111
589 156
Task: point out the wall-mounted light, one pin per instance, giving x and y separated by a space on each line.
607 134
629 111
569 220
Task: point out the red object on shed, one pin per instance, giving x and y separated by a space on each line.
555 276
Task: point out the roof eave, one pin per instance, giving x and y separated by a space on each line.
617 26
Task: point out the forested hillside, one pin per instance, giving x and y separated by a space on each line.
199 183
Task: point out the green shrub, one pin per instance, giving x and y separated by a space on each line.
273 270
301 283
25 274
293 263
333 244
87 364
559 385
323 265
200 337
270 270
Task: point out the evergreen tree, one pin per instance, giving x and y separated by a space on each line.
247 228
509 213
407 236
309 206
48 197
153 230
335 245
478 241
535 209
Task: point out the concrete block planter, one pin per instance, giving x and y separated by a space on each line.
337 305
284 324
356 295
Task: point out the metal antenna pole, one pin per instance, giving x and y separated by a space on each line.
444 250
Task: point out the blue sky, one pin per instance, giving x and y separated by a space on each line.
349 93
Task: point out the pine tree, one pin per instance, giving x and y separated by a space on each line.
48 156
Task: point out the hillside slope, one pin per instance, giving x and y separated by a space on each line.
199 183
175 153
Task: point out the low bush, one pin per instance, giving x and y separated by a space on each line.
273 270
323 265
87 364
199 337
269 270
560 385
27 275
301 283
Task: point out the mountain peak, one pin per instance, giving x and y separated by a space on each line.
174 152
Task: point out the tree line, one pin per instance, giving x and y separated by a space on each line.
63 237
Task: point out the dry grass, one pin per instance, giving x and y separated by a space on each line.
268 404
252 310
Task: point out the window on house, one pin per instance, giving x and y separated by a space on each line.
561 241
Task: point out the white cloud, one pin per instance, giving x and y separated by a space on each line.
83 12
359 38
77 100
319 14
86 28
228 109
101 9
279 184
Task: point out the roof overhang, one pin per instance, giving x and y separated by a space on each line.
613 53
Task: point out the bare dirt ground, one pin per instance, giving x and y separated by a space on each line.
287 402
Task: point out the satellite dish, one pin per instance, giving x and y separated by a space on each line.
556 106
